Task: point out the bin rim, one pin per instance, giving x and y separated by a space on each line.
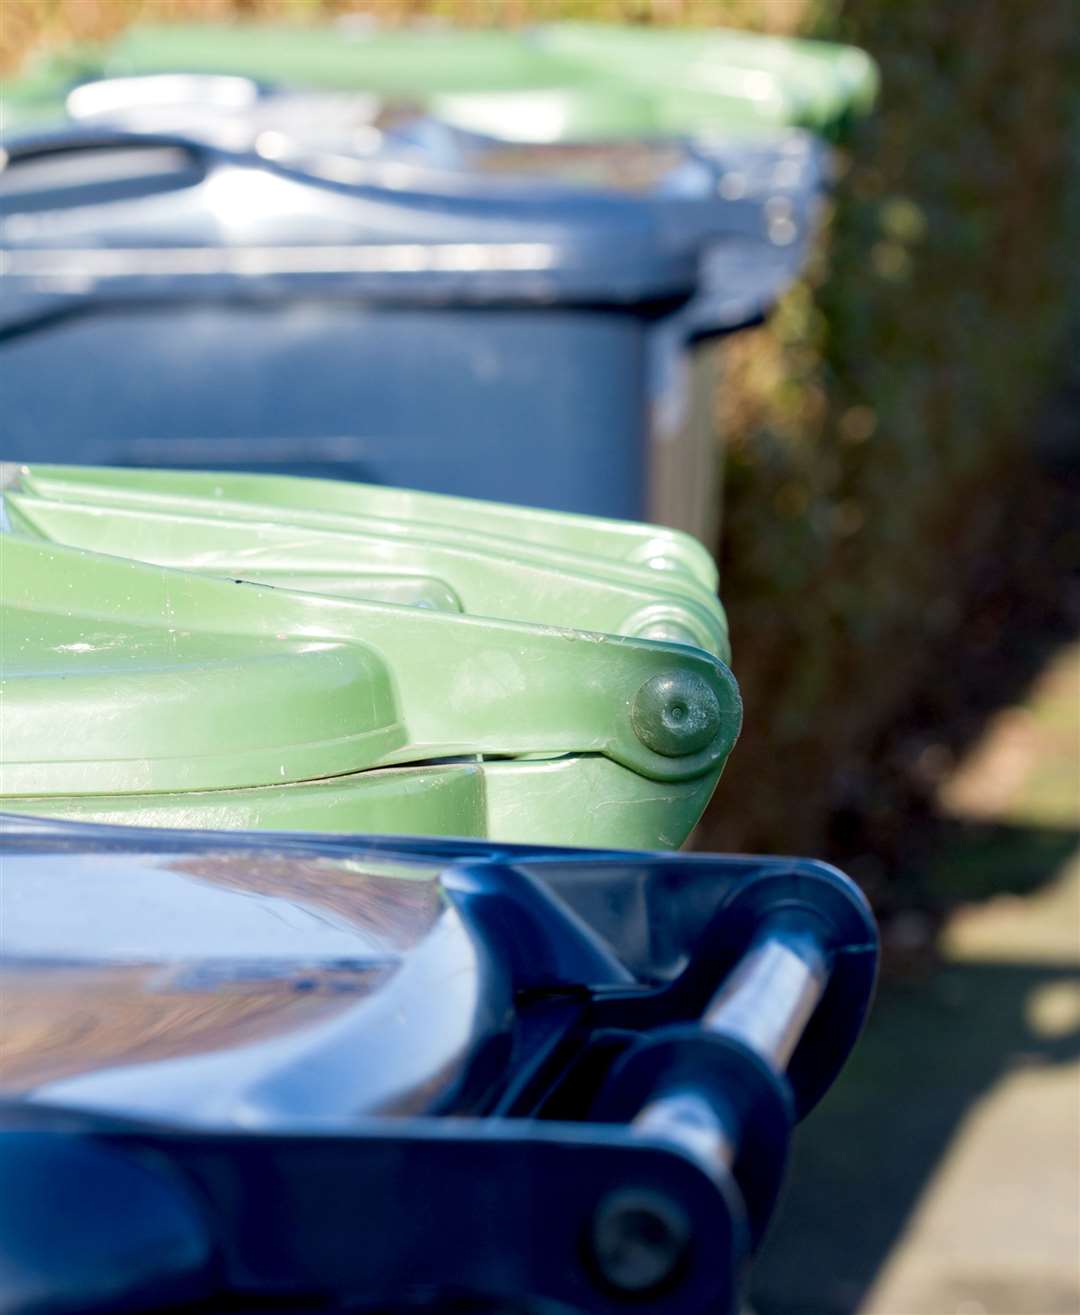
234 221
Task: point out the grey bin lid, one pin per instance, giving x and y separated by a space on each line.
113 214
177 186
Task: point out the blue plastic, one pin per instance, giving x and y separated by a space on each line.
416 318
315 1072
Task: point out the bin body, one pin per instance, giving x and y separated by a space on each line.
546 407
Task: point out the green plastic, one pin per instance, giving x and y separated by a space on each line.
382 561
140 692
559 82
335 504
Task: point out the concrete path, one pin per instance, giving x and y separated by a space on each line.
997 1230
942 1175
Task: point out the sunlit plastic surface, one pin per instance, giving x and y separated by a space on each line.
251 664
254 1055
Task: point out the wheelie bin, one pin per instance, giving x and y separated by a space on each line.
229 651
310 1073
250 288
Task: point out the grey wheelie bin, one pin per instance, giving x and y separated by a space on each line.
379 296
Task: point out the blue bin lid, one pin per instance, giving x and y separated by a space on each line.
152 917
249 1067
278 1067
114 213
298 194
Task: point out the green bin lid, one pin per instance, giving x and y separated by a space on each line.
195 650
449 568
558 82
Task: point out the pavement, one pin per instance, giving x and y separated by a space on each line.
941 1176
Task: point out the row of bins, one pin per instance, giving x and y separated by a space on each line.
363 671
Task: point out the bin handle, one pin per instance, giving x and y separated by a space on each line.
741 278
763 1006
94 136
726 1087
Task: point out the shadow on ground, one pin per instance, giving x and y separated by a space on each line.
979 861
934 1047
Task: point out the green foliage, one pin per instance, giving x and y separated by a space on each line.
882 422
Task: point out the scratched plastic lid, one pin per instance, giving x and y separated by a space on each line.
162 187
225 661
242 1061
111 212
344 505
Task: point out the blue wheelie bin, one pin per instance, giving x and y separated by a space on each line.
301 1073
298 286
